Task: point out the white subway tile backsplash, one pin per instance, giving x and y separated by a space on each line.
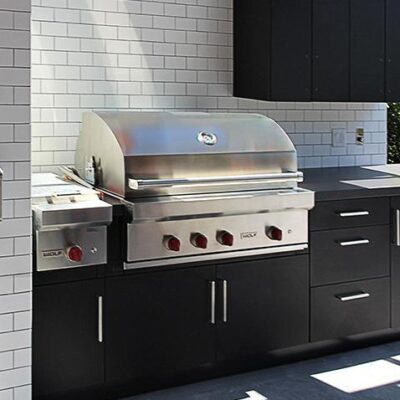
167 55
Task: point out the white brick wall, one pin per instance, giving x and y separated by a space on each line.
171 55
15 228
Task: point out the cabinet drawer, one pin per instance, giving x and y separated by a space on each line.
349 254
349 213
342 310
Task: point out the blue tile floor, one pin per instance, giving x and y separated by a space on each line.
289 382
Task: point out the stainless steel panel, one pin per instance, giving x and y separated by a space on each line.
145 240
215 256
49 216
51 247
185 206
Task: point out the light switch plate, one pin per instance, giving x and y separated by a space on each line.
338 137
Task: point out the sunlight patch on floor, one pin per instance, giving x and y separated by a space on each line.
361 377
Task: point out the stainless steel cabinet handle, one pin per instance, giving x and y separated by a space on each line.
225 301
398 228
353 214
355 296
100 319
355 242
212 318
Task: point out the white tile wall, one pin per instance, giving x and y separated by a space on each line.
15 228
169 55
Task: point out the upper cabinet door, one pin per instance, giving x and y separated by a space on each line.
392 50
367 50
252 27
331 45
291 50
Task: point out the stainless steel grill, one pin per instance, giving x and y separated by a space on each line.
199 186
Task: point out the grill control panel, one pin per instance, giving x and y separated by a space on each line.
224 238
204 236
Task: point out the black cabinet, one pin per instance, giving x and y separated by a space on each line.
331 50
367 81
158 325
392 50
321 50
395 262
161 326
252 24
291 50
343 255
349 309
67 353
266 306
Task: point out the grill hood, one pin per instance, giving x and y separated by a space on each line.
142 154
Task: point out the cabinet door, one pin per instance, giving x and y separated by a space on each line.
395 262
392 50
67 354
252 27
158 325
266 306
367 50
291 50
331 45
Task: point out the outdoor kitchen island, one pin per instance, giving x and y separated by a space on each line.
124 330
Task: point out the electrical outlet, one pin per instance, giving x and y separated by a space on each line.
338 137
360 136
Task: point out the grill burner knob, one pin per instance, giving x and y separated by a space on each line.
225 238
275 233
75 253
199 240
172 243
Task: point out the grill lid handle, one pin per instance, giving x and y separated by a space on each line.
141 184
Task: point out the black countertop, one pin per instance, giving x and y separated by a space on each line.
327 183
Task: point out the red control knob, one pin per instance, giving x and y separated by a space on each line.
172 243
75 253
275 233
225 238
200 241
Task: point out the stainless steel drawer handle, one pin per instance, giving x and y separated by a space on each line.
398 228
352 297
225 301
100 319
353 214
212 315
355 243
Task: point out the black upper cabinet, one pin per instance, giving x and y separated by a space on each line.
367 82
331 45
252 26
291 50
320 50
392 50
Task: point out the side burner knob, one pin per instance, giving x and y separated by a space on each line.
75 253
